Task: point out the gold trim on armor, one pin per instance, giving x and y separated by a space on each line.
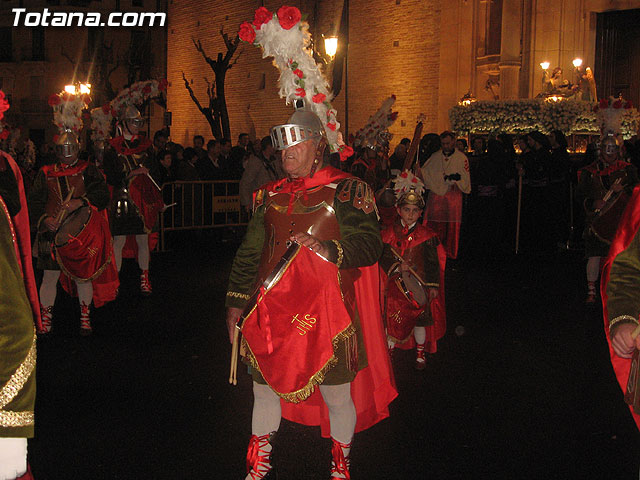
300 209
622 318
243 296
340 253
434 285
13 387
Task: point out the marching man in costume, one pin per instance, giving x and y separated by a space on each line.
319 325
411 266
136 200
606 186
446 175
72 236
18 310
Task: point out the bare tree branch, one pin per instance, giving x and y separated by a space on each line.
193 96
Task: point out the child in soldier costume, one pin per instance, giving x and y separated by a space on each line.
410 249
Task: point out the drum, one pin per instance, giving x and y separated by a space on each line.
604 226
405 300
82 244
147 196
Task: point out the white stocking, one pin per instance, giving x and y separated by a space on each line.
118 244
85 292
13 458
420 334
49 287
593 269
342 411
266 410
143 251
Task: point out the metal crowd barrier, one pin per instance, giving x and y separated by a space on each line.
200 205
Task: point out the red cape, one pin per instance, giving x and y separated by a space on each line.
438 307
627 229
21 225
374 386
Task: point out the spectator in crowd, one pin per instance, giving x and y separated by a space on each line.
396 161
209 167
429 144
462 145
160 139
235 164
260 170
479 147
187 170
198 144
166 167
243 141
225 152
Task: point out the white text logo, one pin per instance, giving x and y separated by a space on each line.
89 19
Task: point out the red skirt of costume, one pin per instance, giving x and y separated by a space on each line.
627 229
374 386
443 214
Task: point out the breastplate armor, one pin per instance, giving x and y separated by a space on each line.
58 188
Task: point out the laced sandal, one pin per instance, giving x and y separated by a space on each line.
259 458
46 313
145 285
591 294
340 462
421 360
85 321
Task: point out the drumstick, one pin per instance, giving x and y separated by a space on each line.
393 250
234 357
62 212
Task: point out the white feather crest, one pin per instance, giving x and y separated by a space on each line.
300 75
405 182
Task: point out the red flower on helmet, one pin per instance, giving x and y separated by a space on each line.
300 92
4 103
331 126
262 16
4 134
299 73
288 17
162 84
147 89
54 100
345 152
247 33
393 116
318 98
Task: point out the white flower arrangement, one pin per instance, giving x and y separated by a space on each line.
285 37
405 182
522 116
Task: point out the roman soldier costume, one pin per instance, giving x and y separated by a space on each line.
408 310
136 198
605 187
73 240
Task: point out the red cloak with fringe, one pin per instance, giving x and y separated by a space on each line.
21 225
627 229
436 330
374 386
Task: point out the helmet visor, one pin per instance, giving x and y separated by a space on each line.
66 150
288 135
136 122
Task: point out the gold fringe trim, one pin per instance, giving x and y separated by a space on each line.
14 386
243 296
316 379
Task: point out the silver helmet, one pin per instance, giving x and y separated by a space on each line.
303 125
131 116
67 146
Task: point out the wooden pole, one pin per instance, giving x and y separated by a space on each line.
519 212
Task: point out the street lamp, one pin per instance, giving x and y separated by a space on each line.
78 89
331 46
